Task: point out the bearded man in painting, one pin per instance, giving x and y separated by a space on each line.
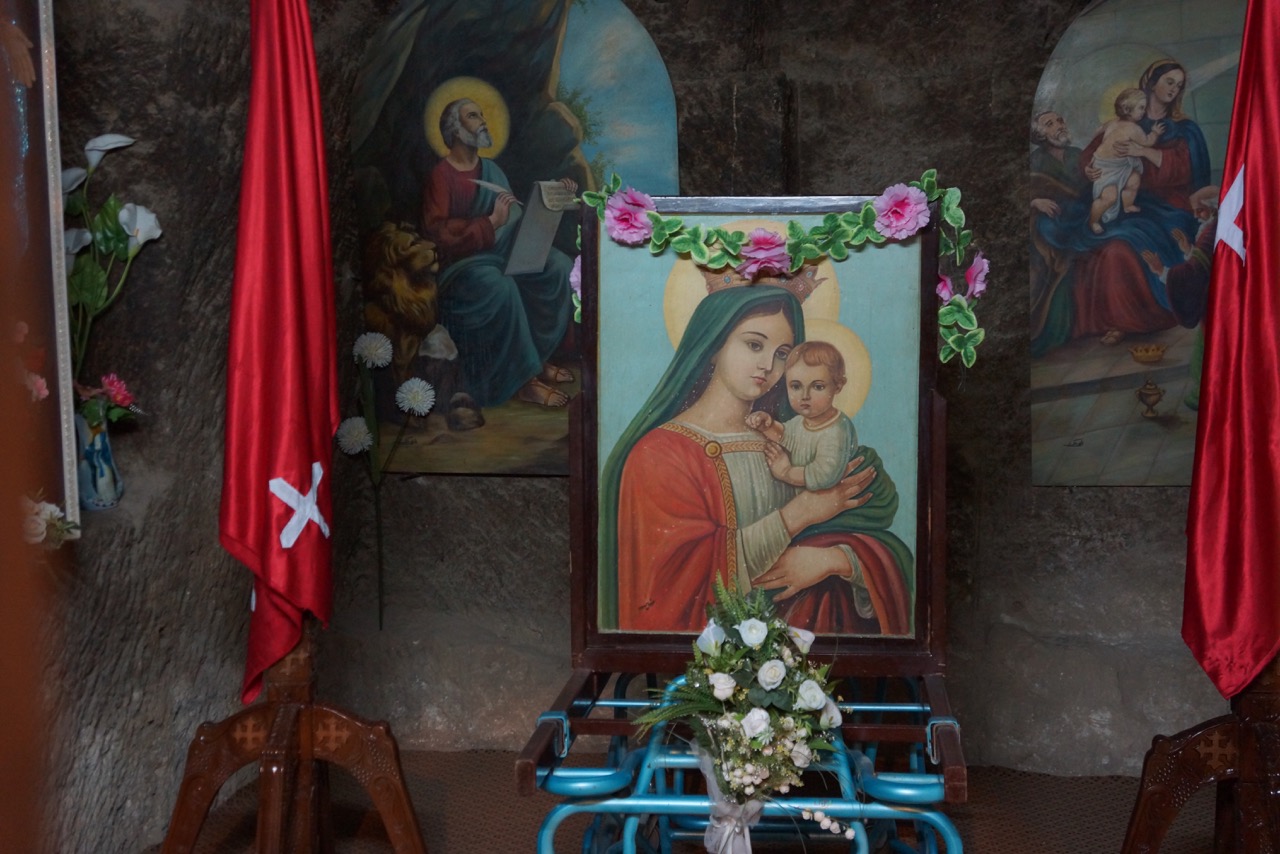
506 327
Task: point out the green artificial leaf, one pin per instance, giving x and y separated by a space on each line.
685 241
850 220
968 357
822 744
615 183
946 353
962 245
831 222
109 237
76 205
957 312
87 285
975 337
720 259
951 213
731 240
928 183
795 231
946 246
577 318
867 216
837 251
699 253
116 413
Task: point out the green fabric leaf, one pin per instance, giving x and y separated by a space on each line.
795 231
968 356
699 253
837 251
946 353
951 212
867 216
87 284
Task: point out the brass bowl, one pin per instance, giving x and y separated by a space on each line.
1147 353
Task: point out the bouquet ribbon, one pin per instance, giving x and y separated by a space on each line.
730 829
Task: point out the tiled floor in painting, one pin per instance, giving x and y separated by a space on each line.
1088 426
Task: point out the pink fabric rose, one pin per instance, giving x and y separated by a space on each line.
575 276
626 216
945 291
976 276
764 254
117 391
901 211
37 386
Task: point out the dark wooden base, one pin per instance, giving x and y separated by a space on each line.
1240 754
291 737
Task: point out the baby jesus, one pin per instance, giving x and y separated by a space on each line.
813 449
1120 172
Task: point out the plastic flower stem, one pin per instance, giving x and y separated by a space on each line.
377 525
376 472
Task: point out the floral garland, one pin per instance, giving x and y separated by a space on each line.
758 707
631 218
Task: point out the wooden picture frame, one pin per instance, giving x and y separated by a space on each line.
634 307
35 279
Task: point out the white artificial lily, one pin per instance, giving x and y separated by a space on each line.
75 239
140 224
72 178
96 148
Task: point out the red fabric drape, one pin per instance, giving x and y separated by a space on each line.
1231 614
282 406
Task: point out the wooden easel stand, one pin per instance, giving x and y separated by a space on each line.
1240 753
290 736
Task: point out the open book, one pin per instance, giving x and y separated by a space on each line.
537 228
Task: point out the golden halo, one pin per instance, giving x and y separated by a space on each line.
496 115
857 361
687 286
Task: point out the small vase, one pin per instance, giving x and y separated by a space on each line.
100 483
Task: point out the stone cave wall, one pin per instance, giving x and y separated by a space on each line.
1064 603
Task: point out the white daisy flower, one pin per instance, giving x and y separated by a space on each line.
374 349
416 396
353 436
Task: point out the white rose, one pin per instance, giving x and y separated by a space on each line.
830 716
711 638
802 638
753 632
722 685
771 674
810 697
801 755
755 722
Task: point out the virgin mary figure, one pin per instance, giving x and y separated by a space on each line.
686 494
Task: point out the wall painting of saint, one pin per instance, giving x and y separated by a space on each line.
473 131
1128 135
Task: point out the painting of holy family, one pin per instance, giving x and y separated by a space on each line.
1128 137
765 432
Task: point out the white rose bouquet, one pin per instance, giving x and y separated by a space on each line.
759 709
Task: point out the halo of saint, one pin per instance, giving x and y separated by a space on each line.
494 106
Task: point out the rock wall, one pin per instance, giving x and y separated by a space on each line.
1064 602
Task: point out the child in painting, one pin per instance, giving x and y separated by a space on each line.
1121 172
813 449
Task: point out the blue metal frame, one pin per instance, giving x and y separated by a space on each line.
644 785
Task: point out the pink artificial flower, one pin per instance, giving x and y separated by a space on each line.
575 276
626 216
764 253
901 211
37 386
945 292
117 391
976 276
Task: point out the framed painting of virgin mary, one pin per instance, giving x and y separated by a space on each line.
772 429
